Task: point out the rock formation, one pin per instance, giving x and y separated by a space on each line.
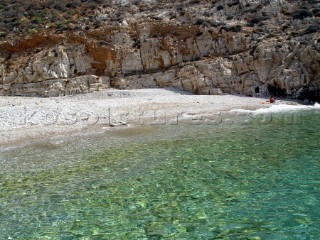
251 47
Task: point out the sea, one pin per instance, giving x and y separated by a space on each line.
248 174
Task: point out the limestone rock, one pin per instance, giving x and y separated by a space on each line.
255 48
118 82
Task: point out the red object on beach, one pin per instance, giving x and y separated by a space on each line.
272 99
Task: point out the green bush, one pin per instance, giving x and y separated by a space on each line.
3 34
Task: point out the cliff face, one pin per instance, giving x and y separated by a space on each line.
254 48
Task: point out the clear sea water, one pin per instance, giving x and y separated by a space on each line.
245 178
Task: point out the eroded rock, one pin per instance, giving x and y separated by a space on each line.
235 47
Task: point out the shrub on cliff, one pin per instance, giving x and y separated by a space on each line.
316 12
312 29
301 14
3 34
24 15
220 7
236 28
253 21
202 22
193 2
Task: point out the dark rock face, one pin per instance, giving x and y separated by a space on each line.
256 48
311 92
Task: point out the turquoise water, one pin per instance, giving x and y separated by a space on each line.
256 178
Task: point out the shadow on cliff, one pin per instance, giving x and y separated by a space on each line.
311 92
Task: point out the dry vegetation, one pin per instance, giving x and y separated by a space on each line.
20 17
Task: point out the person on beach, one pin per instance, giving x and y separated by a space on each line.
272 99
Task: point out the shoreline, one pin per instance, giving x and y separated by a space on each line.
26 120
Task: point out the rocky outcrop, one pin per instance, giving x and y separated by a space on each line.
195 54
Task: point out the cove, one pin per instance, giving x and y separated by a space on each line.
253 179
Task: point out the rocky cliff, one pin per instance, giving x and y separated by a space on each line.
251 47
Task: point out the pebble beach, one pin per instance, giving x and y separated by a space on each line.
27 119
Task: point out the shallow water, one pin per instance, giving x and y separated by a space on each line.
245 178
